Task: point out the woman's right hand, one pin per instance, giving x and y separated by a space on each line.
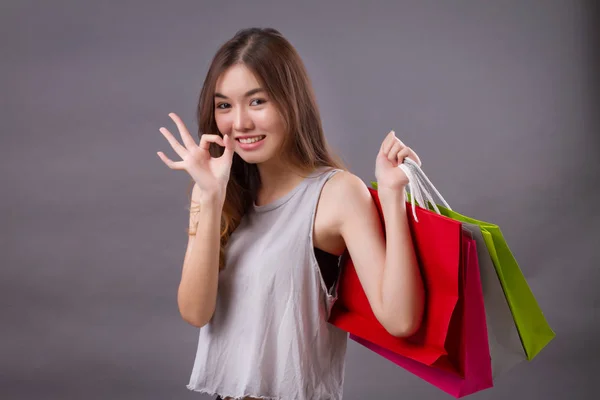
210 174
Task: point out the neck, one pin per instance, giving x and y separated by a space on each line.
276 180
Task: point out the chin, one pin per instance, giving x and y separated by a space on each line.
256 157
253 158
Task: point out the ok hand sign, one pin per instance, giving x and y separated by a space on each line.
210 174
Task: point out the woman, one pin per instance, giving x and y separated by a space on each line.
271 212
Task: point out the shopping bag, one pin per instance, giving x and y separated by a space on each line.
473 348
506 349
534 331
437 241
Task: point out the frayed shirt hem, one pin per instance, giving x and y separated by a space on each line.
212 392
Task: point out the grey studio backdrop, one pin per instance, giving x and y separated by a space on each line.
499 98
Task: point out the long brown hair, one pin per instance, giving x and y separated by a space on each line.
279 68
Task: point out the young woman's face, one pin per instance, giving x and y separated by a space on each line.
244 111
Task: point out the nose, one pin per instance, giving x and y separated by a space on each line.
242 120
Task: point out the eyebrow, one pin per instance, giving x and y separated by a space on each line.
248 93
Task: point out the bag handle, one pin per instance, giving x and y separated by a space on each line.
420 187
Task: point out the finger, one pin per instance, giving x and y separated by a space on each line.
412 155
179 149
404 153
183 132
207 138
398 139
392 155
388 142
171 164
229 146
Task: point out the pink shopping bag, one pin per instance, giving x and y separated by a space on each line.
472 345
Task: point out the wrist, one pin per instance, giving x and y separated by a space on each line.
212 201
212 205
392 195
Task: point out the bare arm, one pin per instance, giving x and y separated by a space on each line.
197 292
388 271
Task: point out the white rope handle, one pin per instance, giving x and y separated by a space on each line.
426 183
414 188
420 187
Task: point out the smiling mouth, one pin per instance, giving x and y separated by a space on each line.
251 140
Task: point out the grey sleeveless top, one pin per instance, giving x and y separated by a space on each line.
269 336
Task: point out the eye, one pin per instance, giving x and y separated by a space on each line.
222 104
259 100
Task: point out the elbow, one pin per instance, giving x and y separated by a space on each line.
403 328
195 313
403 324
194 317
405 320
195 320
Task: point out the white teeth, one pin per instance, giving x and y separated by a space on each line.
251 140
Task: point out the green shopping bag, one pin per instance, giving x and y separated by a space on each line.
534 331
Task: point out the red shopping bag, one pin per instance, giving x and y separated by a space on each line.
472 346
437 240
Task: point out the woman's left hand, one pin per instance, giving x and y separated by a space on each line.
391 155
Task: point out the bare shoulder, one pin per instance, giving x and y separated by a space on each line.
343 194
344 187
347 193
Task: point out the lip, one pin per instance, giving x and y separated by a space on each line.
250 146
247 136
